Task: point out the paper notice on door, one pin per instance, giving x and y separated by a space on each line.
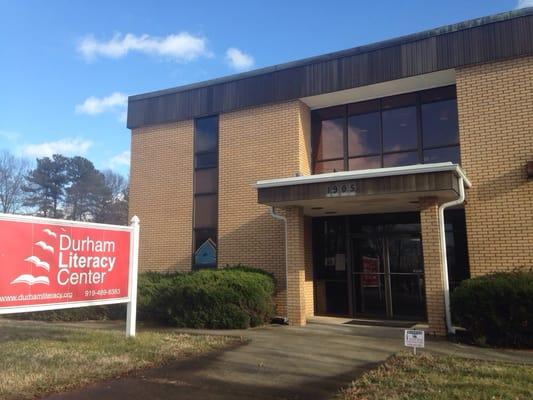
340 262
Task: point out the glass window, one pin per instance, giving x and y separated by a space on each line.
399 129
322 167
400 159
206 180
363 134
207 160
205 248
330 140
205 211
364 162
442 155
401 100
441 93
440 124
206 135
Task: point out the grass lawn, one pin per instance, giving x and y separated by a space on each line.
434 377
38 358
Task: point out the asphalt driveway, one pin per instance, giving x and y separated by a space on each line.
277 362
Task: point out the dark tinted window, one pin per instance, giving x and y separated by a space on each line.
206 135
330 140
364 162
205 211
363 134
442 154
205 216
399 129
442 93
329 166
439 123
206 160
400 159
206 180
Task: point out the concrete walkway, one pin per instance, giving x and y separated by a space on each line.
278 362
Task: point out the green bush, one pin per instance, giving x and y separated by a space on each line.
228 298
497 309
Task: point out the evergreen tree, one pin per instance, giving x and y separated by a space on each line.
87 191
45 186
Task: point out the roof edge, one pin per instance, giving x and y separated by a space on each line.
464 25
365 174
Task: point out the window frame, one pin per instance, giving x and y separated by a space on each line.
195 229
342 111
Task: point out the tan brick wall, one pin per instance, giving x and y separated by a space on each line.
161 194
258 143
299 282
429 224
495 103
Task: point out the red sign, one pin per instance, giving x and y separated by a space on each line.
56 263
370 270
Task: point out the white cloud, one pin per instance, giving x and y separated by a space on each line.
67 147
180 47
524 3
238 59
121 159
94 105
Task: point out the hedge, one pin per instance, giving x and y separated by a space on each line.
497 309
227 298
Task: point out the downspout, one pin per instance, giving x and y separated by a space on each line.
284 219
446 283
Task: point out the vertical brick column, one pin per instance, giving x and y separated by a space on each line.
299 293
429 220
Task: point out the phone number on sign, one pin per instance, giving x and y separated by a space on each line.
101 292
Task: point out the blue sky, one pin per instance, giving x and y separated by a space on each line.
66 67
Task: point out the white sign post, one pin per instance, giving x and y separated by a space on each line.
131 316
414 338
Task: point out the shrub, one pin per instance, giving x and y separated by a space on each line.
228 298
497 309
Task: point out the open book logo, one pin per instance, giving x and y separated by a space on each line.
31 280
45 246
38 263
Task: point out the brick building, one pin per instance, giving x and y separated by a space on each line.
346 174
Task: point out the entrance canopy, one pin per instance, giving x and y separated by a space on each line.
363 192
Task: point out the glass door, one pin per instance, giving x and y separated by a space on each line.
388 272
369 274
406 272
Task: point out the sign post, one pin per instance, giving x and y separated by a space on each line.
414 338
131 316
50 264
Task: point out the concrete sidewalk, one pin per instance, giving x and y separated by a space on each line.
278 362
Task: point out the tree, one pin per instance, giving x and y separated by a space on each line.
115 207
13 171
87 192
45 186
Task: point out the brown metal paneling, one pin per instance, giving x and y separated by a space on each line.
427 182
493 38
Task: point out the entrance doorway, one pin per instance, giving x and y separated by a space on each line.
388 272
369 266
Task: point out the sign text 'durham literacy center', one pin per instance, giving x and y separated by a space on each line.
96 265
